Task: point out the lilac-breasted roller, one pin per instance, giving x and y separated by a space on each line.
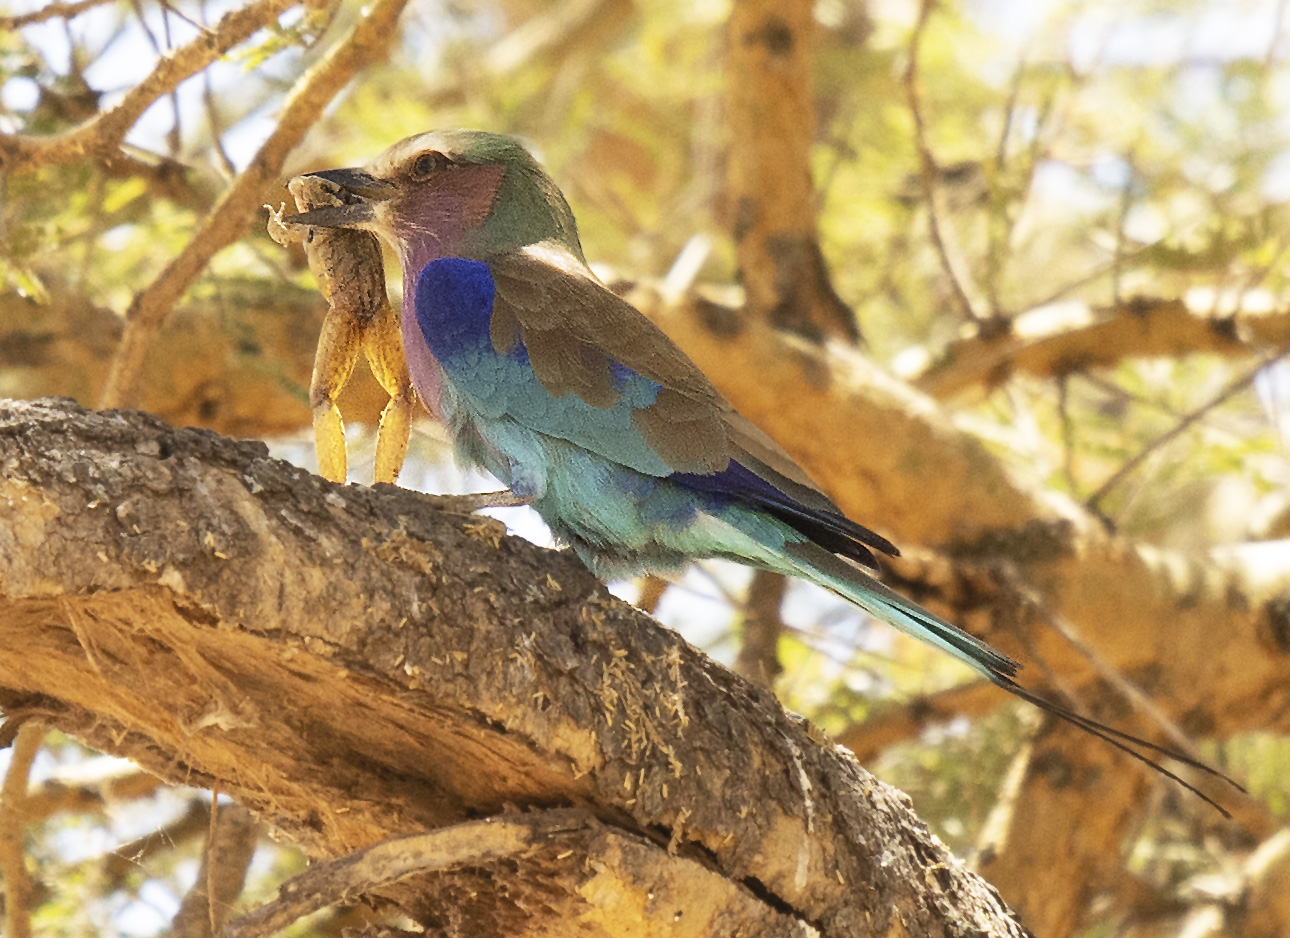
587 411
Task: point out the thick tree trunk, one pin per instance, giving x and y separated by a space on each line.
769 192
354 664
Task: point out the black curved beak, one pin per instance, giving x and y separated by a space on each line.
359 182
367 190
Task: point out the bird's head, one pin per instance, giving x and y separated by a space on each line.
457 193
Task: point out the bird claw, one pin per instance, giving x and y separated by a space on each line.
476 501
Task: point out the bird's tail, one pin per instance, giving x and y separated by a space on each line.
816 564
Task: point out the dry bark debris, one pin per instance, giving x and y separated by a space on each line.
353 664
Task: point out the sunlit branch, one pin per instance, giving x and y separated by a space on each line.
13 821
50 11
104 133
240 203
54 797
1139 328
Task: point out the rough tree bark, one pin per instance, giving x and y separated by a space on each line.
354 664
1150 614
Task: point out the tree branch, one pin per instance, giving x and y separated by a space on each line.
49 11
228 220
758 658
104 133
13 819
230 845
238 364
1140 328
770 97
55 797
897 463
1066 773
221 617
390 861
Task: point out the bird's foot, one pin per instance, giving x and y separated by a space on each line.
466 504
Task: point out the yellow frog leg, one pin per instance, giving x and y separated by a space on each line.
383 345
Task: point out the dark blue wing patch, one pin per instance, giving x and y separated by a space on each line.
834 532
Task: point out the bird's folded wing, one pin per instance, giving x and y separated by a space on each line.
584 340
534 336
580 337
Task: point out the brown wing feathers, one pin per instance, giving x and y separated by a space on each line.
575 354
574 330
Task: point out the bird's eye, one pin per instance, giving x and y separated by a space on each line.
427 164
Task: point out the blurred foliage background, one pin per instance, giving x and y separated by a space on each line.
1049 167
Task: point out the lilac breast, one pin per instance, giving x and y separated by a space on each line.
427 375
427 226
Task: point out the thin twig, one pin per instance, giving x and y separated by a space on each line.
216 126
1009 116
48 12
1068 430
928 170
1121 235
136 5
228 220
1100 270
173 135
1124 394
170 8
230 846
104 133
999 219
395 859
758 658
128 858
1008 212
1278 21
13 860
1231 390
208 860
